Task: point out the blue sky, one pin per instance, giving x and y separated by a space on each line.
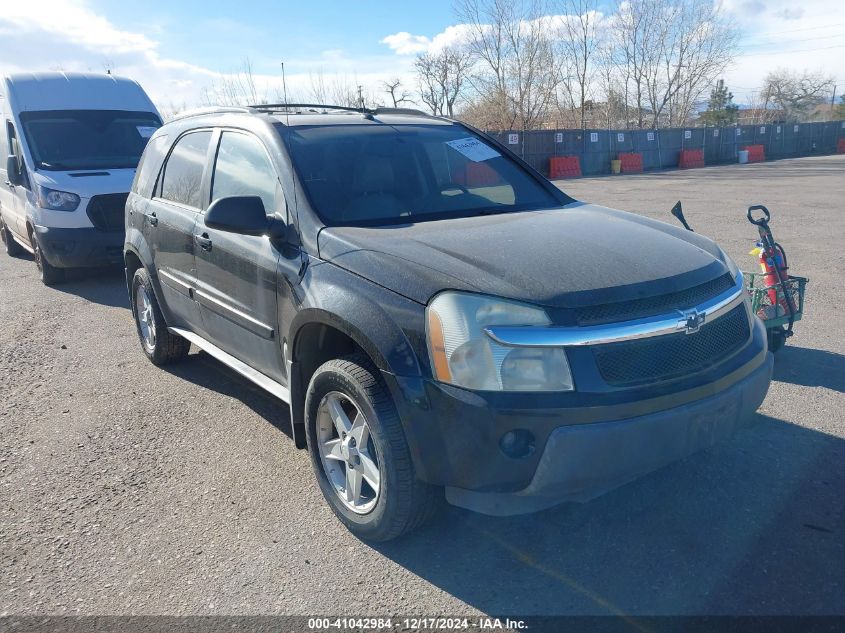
267 32
177 49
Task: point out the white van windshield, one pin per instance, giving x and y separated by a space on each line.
87 139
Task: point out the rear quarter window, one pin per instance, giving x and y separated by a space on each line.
148 168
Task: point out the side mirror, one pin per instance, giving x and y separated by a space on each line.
238 214
13 172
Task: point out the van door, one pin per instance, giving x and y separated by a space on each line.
13 198
236 274
169 226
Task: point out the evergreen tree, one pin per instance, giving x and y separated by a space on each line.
721 110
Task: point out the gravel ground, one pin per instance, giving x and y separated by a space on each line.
125 488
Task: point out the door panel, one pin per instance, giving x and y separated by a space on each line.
237 274
169 230
14 196
236 291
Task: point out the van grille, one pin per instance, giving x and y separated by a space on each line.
649 306
107 211
665 357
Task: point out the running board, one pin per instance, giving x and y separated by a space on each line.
268 384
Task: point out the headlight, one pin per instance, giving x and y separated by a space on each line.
463 355
57 200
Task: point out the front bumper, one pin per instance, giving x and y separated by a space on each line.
80 247
586 443
583 461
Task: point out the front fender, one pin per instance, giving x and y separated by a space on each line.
389 328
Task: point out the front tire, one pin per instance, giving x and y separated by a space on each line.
49 274
359 452
12 248
159 345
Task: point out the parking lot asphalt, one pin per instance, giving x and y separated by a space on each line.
125 488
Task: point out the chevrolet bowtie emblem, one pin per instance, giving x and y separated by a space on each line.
692 321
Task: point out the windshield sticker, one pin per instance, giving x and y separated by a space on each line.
473 149
146 131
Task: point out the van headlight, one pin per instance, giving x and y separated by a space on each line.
463 355
57 200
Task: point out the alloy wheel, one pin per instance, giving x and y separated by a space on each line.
348 453
144 314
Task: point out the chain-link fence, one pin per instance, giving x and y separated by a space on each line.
661 149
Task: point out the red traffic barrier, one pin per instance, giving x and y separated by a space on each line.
632 163
691 158
756 153
477 175
840 146
564 167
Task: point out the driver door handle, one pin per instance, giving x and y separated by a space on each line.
152 219
203 241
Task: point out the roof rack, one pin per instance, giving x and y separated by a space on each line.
282 107
210 110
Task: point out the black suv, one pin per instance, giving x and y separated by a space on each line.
436 313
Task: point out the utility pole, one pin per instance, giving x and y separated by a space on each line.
833 98
361 96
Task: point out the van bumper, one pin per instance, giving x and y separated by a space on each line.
80 247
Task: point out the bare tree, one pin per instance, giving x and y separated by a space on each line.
238 88
578 42
796 94
672 52
511 44
337 90
398 95
442 77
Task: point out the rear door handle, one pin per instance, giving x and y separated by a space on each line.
152 219
203 241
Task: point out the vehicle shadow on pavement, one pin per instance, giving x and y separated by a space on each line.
810 368
106 286
205 371
752 526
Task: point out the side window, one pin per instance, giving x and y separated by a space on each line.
148 167
243 168
182 177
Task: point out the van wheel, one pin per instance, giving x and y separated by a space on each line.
158 343
50 275
12 248
359 452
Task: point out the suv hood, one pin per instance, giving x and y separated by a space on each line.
577 255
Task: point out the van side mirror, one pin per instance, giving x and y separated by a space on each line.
238 214
13 172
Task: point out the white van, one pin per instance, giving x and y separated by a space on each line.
70 144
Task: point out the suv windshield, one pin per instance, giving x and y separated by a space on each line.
363 174
87 139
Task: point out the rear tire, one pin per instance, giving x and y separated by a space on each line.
159 344
12 248
399 502
50 275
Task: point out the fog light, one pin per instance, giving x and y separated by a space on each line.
517 443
